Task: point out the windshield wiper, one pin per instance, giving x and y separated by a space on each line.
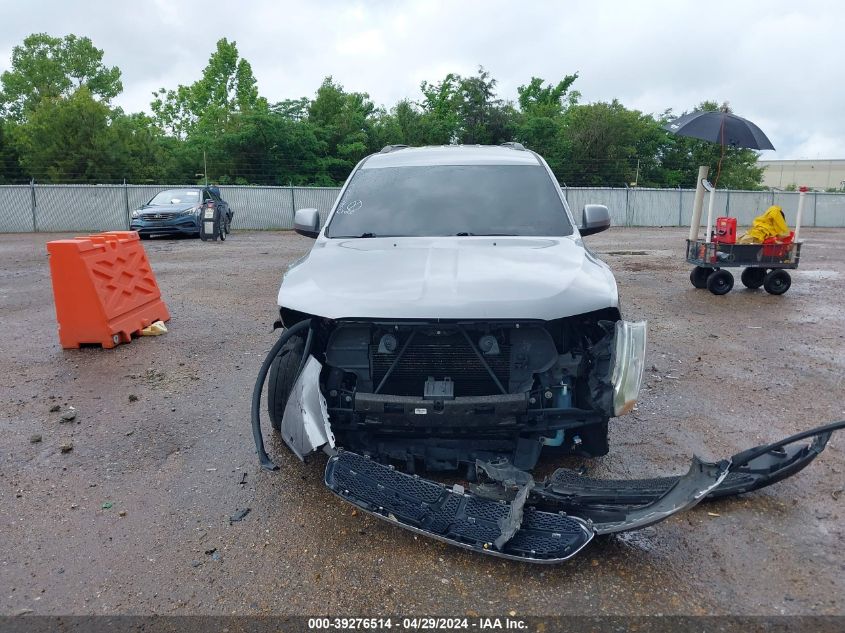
468 234
353 237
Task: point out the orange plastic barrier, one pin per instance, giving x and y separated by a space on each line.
104 288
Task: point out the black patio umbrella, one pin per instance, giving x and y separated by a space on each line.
718 126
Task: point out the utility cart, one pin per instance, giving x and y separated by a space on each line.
763 265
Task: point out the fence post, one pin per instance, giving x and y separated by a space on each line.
627 207
728 203
34 214
126 199
680 205
815 206
292 205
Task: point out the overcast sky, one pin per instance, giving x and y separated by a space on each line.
778 63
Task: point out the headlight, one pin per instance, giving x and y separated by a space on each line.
189 212
628 364
136 214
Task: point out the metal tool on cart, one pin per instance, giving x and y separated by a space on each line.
763 264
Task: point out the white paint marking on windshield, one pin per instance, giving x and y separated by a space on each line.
350 207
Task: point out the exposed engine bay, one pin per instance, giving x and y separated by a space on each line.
442 395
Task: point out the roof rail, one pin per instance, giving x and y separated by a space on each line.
391 148
514 145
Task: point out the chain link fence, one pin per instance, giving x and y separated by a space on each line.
673 207
88 208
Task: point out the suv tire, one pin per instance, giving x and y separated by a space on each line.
282 377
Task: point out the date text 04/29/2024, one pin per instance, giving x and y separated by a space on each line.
418 623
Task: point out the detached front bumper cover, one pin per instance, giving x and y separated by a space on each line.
513 517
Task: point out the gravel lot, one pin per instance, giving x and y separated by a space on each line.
162 434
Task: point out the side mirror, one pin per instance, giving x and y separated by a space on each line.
595 220
307 222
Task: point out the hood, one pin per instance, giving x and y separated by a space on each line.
167 208
448 278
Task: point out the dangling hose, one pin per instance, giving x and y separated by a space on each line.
265 460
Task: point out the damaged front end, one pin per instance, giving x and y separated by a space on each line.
445 394
527 386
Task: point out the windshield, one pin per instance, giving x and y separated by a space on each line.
450 200
176 196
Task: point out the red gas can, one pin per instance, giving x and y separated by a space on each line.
725 231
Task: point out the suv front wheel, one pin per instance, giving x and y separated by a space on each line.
282 377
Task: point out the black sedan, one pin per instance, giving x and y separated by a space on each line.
179 212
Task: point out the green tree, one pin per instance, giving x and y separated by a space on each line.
342 122
466 110
46 67
56 124
540 122
441 108
537 100
609 145
293 109
226 89
405 124
267 149
10 169
482 118
80 139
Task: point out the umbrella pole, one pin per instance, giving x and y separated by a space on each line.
695 223
801 197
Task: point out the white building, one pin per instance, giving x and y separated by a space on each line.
819 174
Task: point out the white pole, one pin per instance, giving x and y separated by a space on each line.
710 201
695 223
801 198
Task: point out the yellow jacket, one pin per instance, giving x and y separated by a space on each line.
771 224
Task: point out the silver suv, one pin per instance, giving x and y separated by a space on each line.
454 315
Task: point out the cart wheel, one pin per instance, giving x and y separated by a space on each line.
752 278
698 276
777 282
720 282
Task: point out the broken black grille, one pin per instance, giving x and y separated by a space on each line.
456 517
440 356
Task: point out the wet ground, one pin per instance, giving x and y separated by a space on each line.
135 517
